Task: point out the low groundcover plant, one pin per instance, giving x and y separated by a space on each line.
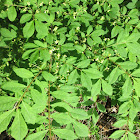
60 62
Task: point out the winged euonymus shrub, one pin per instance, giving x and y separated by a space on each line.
60 59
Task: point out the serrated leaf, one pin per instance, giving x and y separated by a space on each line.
101 107
7 102
12 14
28 29
96 88
48 76
73 77
117 134
13 86
19 128
24 18
137 86
28 113
120 123
86 81
64 133
5 120
107 88
79 114
61 118
37 136
136 73
80 129
23 73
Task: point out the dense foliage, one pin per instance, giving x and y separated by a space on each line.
61 60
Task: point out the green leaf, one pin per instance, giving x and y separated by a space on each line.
131 136
26 53
101 107
86 81
62 39
124 108
23 73
134 48
13 86
128 65
79 114
115 73
62 105
62 118
41 28
137 86
7 102
6 33
34 56
83 64
93 73
19 128
38 97
24 18
136 73
107 88
37 136
96 88
48 76
41 16
69 98
115 31
117 134
28 29
95 116
80 129
28 113
44 54
64 133
120 123
73 77
132 112
39 43
89 30
90 41
5 120
127 87
12 14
